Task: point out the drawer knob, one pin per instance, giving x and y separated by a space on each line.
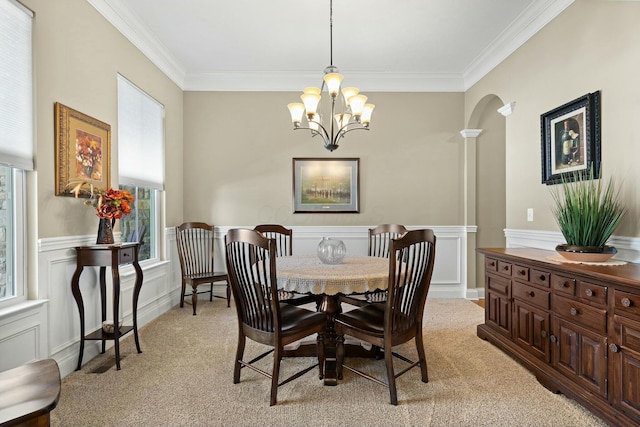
531 294
614 348
492 264
573 311
626 302
522 272
553 339
543 277
125 255
588 292
565 284
505 268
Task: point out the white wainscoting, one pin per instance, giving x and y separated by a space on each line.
49 327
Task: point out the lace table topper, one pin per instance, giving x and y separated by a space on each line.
356 274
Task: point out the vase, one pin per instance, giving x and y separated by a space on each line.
586 253
331 251
105 231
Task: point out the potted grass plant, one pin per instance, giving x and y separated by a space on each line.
587 212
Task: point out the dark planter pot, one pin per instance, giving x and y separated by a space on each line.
586 253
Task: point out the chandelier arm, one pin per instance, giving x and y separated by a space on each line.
342 132
324 134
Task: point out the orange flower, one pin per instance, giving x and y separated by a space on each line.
109 203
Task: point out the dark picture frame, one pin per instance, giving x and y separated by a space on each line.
83 152
571 140
326 185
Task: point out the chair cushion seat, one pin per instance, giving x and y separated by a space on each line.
216 275
367 318
296 318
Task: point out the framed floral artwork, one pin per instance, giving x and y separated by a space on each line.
571 139
326 185
83 152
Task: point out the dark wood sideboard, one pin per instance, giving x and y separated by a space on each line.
575 326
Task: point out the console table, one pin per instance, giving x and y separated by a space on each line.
575 326
29 393
104 256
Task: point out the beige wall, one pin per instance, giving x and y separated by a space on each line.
77 57
239 148
592 45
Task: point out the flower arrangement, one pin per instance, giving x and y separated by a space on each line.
109 204
89 157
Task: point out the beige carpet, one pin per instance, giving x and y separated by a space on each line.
184 378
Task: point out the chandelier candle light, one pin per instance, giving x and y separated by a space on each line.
356 113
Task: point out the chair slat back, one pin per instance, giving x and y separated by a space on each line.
410 271
251 267
282 235
380 236
195 248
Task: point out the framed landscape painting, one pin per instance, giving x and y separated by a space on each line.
326 185
571 139
82 151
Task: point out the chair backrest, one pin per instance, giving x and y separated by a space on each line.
195 247
410 273
380 236
283 237
253 281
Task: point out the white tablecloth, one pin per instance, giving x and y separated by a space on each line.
356 274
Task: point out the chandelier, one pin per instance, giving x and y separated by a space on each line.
353 111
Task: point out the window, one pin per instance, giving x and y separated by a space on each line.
141 163
16 145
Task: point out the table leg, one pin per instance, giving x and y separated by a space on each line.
331 306
75 290
136 294
116 310
103 301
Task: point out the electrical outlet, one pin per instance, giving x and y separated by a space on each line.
530 214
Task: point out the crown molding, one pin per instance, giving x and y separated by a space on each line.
141 37
540 13
532 20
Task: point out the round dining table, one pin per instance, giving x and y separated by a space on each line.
356 274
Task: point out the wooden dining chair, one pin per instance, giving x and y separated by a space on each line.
195 250
284 247
378 246
410 269
261 316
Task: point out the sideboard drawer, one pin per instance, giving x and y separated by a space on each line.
531 295
540 278
521 272
504 268
563 285
626 304
590 292
490 265
582 314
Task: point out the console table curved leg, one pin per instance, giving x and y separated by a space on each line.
103 300
136 294
116 310
75 290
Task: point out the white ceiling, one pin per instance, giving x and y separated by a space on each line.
283 45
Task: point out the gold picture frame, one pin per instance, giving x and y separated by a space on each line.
83 152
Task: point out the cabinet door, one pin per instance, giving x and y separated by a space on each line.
531 329
580 354
625 366
498 303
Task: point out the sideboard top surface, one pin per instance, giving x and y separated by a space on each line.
628 274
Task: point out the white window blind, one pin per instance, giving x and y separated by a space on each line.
16 86
140 137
